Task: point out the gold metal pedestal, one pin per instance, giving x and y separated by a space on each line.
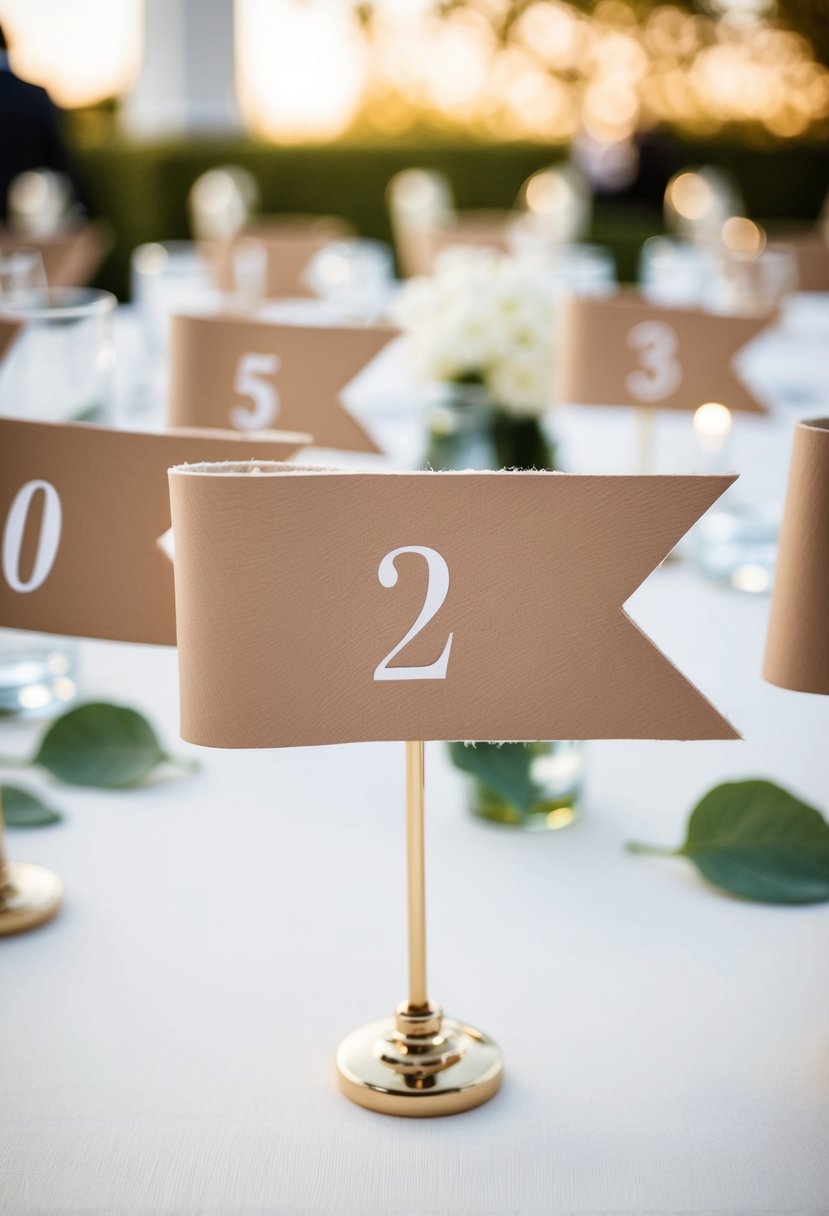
29 896
418 1062
390 1072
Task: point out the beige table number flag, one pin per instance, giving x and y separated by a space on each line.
231 371
9 330
623 350
323 607
797 648
82 511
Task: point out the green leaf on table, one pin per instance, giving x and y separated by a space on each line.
758 841
102 745
23 810
502 767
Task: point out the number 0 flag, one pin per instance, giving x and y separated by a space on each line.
82 511
326 607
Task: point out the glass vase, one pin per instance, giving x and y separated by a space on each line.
468 430
535 786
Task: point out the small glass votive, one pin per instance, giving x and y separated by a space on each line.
674 273
22 279
355 278
584 270
554 774
168 277
59 369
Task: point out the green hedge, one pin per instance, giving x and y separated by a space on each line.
142 187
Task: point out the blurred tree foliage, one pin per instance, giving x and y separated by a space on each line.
811 19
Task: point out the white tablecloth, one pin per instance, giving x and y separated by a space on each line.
167 1044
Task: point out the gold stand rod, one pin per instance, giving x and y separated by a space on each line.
418 1062
415 873
645 439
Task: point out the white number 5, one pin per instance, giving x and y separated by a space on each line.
250 382
436 592
660 375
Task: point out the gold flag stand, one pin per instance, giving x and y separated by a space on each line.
29 895
418 1062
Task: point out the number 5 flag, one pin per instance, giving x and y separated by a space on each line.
326 607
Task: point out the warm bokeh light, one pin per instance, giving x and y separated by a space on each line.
712 420
301 67
690 196
743 236
83 51
541 70
548 70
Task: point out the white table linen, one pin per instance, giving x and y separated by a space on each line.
167 1044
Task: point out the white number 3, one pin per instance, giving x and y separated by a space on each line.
660 374
437 589
250 382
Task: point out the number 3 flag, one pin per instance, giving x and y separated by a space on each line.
623 350
326 607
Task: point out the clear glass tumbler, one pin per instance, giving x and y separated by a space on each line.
60 368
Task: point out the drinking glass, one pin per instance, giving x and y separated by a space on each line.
168 277
354 278
736 541
60 368
22 278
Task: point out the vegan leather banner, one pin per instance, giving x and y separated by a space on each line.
289 242
82 509
9 329
70 257
622 350
230 371
797 648
326 607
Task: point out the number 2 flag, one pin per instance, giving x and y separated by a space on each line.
324 607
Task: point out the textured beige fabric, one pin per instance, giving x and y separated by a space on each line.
284 623
797 651
623 350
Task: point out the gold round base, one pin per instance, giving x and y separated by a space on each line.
368 1082
30 896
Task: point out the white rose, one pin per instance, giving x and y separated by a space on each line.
523 384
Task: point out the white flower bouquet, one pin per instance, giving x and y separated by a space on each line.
486 319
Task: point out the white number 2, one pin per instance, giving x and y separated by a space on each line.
656 344
48 542
250 382
436 592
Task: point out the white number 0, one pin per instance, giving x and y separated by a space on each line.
48 542
657 345
436 592
249 382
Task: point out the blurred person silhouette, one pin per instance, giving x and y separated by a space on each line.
30 134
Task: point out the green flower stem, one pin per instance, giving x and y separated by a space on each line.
648 850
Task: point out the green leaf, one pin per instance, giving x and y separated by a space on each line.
503 767
107 746
23 810
758 841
